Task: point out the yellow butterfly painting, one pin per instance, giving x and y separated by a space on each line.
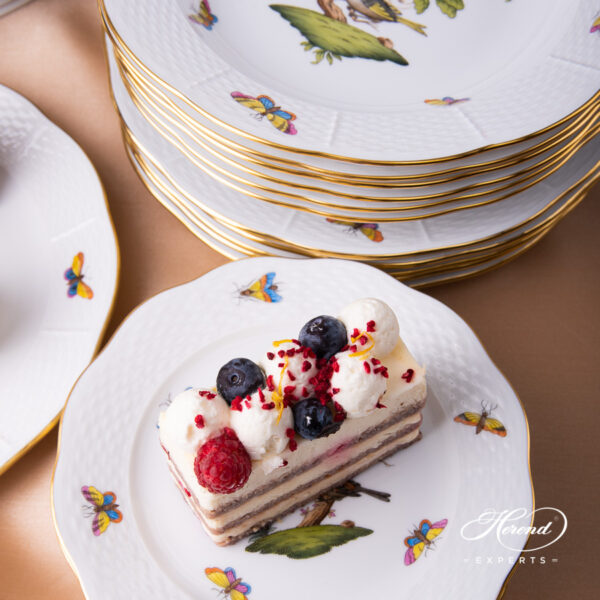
74 278
104 508
266 107
422 538
263 289
482 422
230 584
446 101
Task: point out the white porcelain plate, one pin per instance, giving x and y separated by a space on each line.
52 210
460 75
304 229
155 548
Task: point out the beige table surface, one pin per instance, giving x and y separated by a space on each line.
538 317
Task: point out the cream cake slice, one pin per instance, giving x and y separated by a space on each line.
310 414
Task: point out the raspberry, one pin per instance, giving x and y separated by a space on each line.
222 464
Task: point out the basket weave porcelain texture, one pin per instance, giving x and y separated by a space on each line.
180 338
52 207
314 231
545 73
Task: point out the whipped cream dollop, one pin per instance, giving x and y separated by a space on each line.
261 430
291 368
376 321
358 384
192 417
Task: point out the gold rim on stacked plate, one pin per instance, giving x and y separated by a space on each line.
251 167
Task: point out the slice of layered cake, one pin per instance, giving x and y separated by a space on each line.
310 414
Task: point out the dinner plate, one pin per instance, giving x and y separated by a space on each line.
305 230
155 548
535 70
452 170
410 199
54 221
421 264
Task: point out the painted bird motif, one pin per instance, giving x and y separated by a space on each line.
380 10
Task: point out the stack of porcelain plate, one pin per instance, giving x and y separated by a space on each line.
433 139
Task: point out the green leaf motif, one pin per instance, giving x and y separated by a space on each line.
450 7
421 6
336 37
306 542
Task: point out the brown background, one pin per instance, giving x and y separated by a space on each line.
537 317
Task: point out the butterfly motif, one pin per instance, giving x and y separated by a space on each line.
422 538
204 16
482 422
371 230
265 107
446 101
104 508
74 277
595 25
263 289
232 585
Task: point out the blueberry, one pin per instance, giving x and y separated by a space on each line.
312 419
324 335
239 377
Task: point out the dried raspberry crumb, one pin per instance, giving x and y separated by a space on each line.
199 420
270 355
270 383
311 353
261 395
340 413
335 390
336 366
408 375
291 375
284 463
353 348
344 348
289 432
293 445
281 365
297 342
367 366
306 366
375 361
222 464
363 340
210 396
379 405
268 406
355 332
304 392
289 389
236 403
371 326
248 403
281 353
187 492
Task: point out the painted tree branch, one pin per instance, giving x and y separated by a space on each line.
331 9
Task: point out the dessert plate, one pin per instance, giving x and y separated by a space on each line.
502 92
54 221
153 546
